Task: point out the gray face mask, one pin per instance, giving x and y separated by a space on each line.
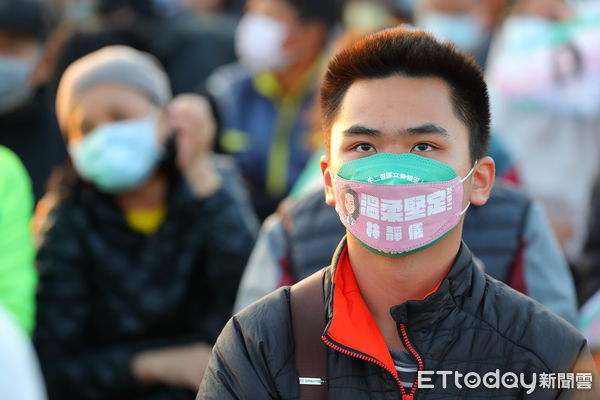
15 85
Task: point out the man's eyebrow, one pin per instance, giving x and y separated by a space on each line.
356 130
425 128
360 130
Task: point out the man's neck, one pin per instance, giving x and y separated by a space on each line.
386 281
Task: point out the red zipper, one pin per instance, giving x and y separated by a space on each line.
375 361
416 356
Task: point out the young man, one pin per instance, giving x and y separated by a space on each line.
408 314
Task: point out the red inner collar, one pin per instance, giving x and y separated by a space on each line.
352 324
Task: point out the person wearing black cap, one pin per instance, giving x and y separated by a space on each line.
27 122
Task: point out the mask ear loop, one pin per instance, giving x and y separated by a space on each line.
462 181
469 174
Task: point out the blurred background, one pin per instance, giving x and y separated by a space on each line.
159 169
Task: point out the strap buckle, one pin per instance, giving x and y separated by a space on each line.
312 381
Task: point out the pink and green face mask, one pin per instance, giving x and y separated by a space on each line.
397 204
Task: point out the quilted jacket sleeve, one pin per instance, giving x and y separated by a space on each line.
230 236
236 369
253 357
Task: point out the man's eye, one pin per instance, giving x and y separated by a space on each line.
364 148
423 147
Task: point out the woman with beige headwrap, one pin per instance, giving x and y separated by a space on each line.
140 258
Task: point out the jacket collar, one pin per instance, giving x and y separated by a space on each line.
350 324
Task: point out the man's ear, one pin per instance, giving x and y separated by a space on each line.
327 181
483 180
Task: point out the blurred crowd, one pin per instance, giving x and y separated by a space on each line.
159 170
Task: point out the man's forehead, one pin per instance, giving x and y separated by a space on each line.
396 103
396 87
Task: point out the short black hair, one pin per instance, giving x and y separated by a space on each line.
411 53
326 11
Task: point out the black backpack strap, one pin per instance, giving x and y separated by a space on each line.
308 324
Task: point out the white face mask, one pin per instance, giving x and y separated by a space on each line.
463 29
259 43
118 156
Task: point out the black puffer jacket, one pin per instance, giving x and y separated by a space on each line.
472 323
107 292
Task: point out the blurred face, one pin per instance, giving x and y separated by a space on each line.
460 21
112 135
301 36
19 61
106 103
399 115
